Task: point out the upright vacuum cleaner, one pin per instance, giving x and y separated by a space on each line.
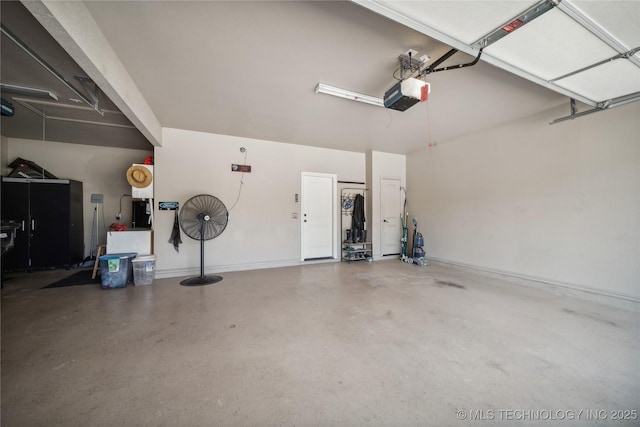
404 218
405 240
419 255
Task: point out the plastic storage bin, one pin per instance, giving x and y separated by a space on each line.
143 267
116 270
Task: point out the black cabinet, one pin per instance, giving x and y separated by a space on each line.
49 212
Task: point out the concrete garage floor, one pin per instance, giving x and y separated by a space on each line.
333 344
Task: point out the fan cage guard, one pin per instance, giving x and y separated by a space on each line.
203 217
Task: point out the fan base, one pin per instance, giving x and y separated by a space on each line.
199 281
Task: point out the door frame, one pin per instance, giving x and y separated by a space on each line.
334 210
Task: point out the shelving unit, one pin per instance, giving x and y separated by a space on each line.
353 248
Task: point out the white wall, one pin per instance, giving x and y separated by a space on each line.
261 231
100 169
559 203
382 165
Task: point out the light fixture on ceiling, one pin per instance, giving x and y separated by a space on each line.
347 94
31 91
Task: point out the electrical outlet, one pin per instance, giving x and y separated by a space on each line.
425 58
412 53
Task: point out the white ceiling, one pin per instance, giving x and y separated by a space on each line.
250 69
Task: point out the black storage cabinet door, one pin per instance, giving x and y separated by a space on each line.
15 207
54 231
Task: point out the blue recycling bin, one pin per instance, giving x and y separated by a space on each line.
116 270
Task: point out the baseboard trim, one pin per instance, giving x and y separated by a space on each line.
584 290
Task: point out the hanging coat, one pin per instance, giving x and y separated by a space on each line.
357 221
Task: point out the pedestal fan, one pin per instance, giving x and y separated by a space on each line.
203 217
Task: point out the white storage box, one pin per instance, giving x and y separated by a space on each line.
139 241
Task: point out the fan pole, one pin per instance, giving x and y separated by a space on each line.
202 277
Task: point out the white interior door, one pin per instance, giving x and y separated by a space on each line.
318 208
390 211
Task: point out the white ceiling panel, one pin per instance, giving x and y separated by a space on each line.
614 79
551 46
466 21
621 20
